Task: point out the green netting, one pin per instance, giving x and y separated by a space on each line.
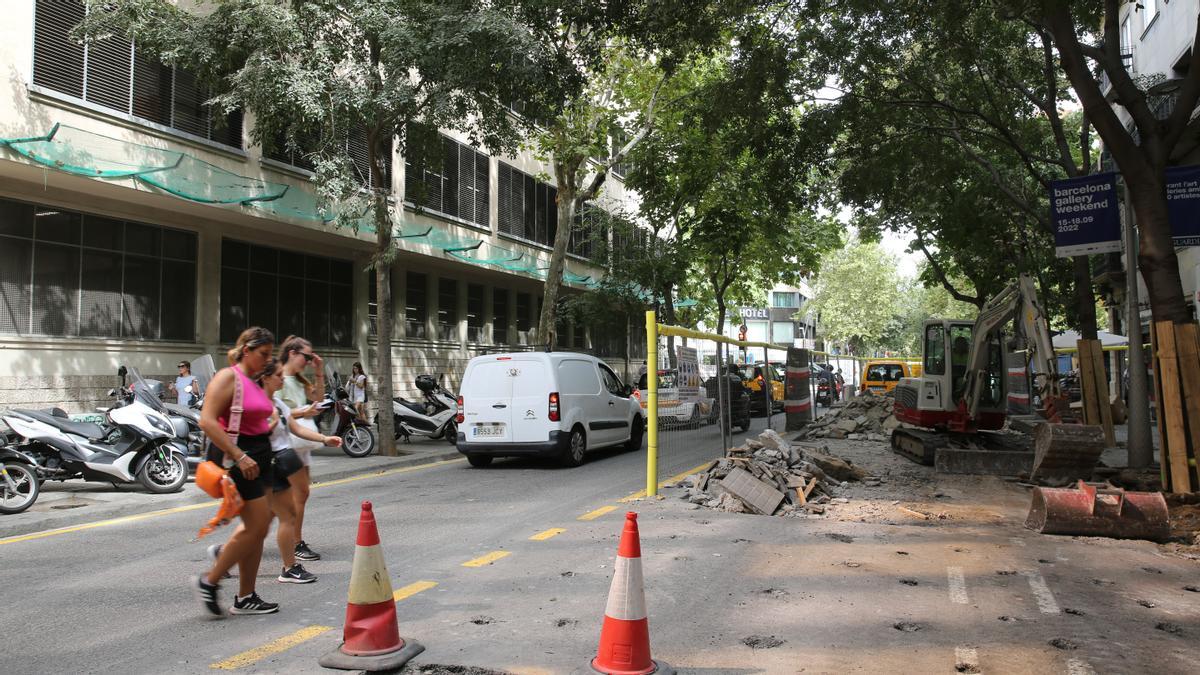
294 203
87 154
198 181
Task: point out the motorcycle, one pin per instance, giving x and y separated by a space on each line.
358 439
432 417
203 370
138 442
19 485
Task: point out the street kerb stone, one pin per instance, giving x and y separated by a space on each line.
757 494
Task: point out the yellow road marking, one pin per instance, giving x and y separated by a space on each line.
673 479
412 589
282 644
204 505
592 515
552 532
487 559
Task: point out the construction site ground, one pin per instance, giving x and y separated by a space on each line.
508 569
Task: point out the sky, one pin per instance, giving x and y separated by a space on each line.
896 244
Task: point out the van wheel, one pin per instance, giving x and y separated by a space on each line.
635 435
479 461
576 448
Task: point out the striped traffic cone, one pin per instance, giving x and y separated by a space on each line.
371 638
625 636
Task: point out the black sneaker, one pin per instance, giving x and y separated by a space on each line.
296 574
206 593
303 552
214 552
252 604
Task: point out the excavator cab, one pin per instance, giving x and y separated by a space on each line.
936 399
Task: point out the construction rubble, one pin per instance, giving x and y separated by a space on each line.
867 417
769 476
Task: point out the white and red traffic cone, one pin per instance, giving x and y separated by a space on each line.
371 638
625 636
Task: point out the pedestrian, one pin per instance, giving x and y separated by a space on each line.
248 457
358 389
296 353
841 383
184 380
286 466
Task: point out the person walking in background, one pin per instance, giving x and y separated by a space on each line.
242 441
358 389
296 353
182 382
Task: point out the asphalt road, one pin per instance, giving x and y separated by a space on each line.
726 593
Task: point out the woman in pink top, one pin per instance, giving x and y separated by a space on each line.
249 463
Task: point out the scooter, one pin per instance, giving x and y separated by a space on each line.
137 443
19 485
358 438
433 417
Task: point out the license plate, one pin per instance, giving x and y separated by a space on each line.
495 430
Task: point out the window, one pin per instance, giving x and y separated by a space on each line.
416 306
611 382
373 301
500 316
113 74
622 168
783 332
885 372
474 313
579 336
935 350
1150 7
589 234
69 274
785 299
287 292
353 145
443 175
1126 44
528 208
524 329
447 315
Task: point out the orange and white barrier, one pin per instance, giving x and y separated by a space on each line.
371 638
625 637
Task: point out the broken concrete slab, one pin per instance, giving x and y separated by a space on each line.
758 495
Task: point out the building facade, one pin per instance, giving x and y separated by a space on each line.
137 228
784 320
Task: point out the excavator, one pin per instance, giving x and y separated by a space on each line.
961 396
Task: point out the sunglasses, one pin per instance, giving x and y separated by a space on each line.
307 357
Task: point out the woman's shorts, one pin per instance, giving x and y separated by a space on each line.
287 462
257 448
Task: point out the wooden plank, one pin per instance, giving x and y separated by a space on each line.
1171 409
1087 388
1187 346
1164 468
1102 400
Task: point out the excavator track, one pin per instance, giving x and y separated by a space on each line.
917 445
922 445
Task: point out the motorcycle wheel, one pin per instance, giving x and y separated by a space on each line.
23 491
451 434
358 441
163 474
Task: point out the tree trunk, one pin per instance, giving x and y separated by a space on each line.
669 319
383 293
1156 252
1084 299
547 324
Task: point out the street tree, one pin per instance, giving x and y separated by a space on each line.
318 71
857 296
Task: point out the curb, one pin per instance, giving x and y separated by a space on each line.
191 496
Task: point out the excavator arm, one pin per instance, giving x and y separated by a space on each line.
1018 302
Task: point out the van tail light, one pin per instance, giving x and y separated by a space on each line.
460 417
554 406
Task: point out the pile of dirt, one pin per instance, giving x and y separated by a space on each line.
867 417
769 476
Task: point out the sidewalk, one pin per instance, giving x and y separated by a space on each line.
63 504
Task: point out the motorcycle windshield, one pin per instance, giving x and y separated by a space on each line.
203 369
142 390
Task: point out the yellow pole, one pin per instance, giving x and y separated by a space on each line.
651 404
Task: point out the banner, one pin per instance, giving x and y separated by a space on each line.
1183 204
1085 215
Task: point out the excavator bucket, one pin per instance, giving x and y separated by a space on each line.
1099 510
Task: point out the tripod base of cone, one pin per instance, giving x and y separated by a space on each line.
372 664
660 668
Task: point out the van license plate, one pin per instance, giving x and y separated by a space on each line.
488 430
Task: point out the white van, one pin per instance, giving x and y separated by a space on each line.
545 404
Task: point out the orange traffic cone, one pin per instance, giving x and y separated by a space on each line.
371 638
625 637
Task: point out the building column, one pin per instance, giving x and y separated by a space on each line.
431 306
461 312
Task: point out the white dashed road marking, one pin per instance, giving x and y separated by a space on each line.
966 660
1079 667
1045 599
958 585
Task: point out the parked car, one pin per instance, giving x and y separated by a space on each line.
882 375
773 372
552 404
678 403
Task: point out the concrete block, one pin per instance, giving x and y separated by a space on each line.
755 493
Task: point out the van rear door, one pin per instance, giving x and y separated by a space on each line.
487 403
531 388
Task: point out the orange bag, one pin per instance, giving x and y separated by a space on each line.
208 478
230 507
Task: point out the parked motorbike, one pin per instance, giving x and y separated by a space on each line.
432 417
358 438
203 370
19 485
138 442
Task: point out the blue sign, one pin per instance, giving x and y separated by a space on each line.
1085 215
1183 204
